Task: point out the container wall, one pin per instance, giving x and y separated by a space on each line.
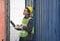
45 20
58 30
29 2
2 20
7 19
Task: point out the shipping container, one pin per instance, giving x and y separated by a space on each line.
2 20
46 19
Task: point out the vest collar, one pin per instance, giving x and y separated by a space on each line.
27 16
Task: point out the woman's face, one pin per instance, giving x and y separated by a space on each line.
25 12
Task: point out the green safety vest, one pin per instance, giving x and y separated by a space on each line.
23 32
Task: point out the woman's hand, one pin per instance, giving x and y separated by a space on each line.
20 26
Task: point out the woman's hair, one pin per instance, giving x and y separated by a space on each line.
27 10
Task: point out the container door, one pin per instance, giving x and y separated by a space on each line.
2 19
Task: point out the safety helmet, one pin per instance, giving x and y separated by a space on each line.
30 9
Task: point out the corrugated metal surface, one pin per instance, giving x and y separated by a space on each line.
58 20
45 20
29 3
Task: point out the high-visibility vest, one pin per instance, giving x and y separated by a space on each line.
25 22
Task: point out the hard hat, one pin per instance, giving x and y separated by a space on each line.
30 9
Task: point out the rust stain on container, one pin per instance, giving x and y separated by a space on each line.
2 19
